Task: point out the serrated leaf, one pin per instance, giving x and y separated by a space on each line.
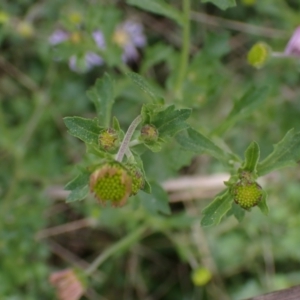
262 204
78 194
102 95
251 158
193 140
149 110
170 121
223 4
85 129
79 181
285 154
213 213
157 201
143 85
158 7
242 108
78 187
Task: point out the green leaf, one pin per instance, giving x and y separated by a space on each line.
155 146
285 154
194 141
79 181
116 125
156 54
238 212
158 7
149 110
222 4
143 85
78 194
85 129
242 108
157 201
213 213
262 204
78 187
102 95
170 121
251 158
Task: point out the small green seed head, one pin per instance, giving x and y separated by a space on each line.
111 182
247 194
137 177
149 133
109 140
258 55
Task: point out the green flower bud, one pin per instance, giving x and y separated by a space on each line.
258 55
137 177
149 133
247 193
109 140
111 182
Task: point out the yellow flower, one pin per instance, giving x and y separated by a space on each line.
121 37
76 37
75 17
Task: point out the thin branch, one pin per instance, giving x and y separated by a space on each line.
71 226
238 26
21 77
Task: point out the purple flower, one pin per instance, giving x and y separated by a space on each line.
293 46
99 39
86 63
58 36
90 59
130 36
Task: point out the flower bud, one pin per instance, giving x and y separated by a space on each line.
149 133
25 29
68 285
247 193
111 182
258 55
109 140
137 177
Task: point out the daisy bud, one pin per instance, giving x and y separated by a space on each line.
137 177
149 133
258 55
111 182
67 284
247 193
109 140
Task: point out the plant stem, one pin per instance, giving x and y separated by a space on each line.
127 138
185 48
117 247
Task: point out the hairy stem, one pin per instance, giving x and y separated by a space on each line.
125 143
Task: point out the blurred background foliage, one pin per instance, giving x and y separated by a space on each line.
37 156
